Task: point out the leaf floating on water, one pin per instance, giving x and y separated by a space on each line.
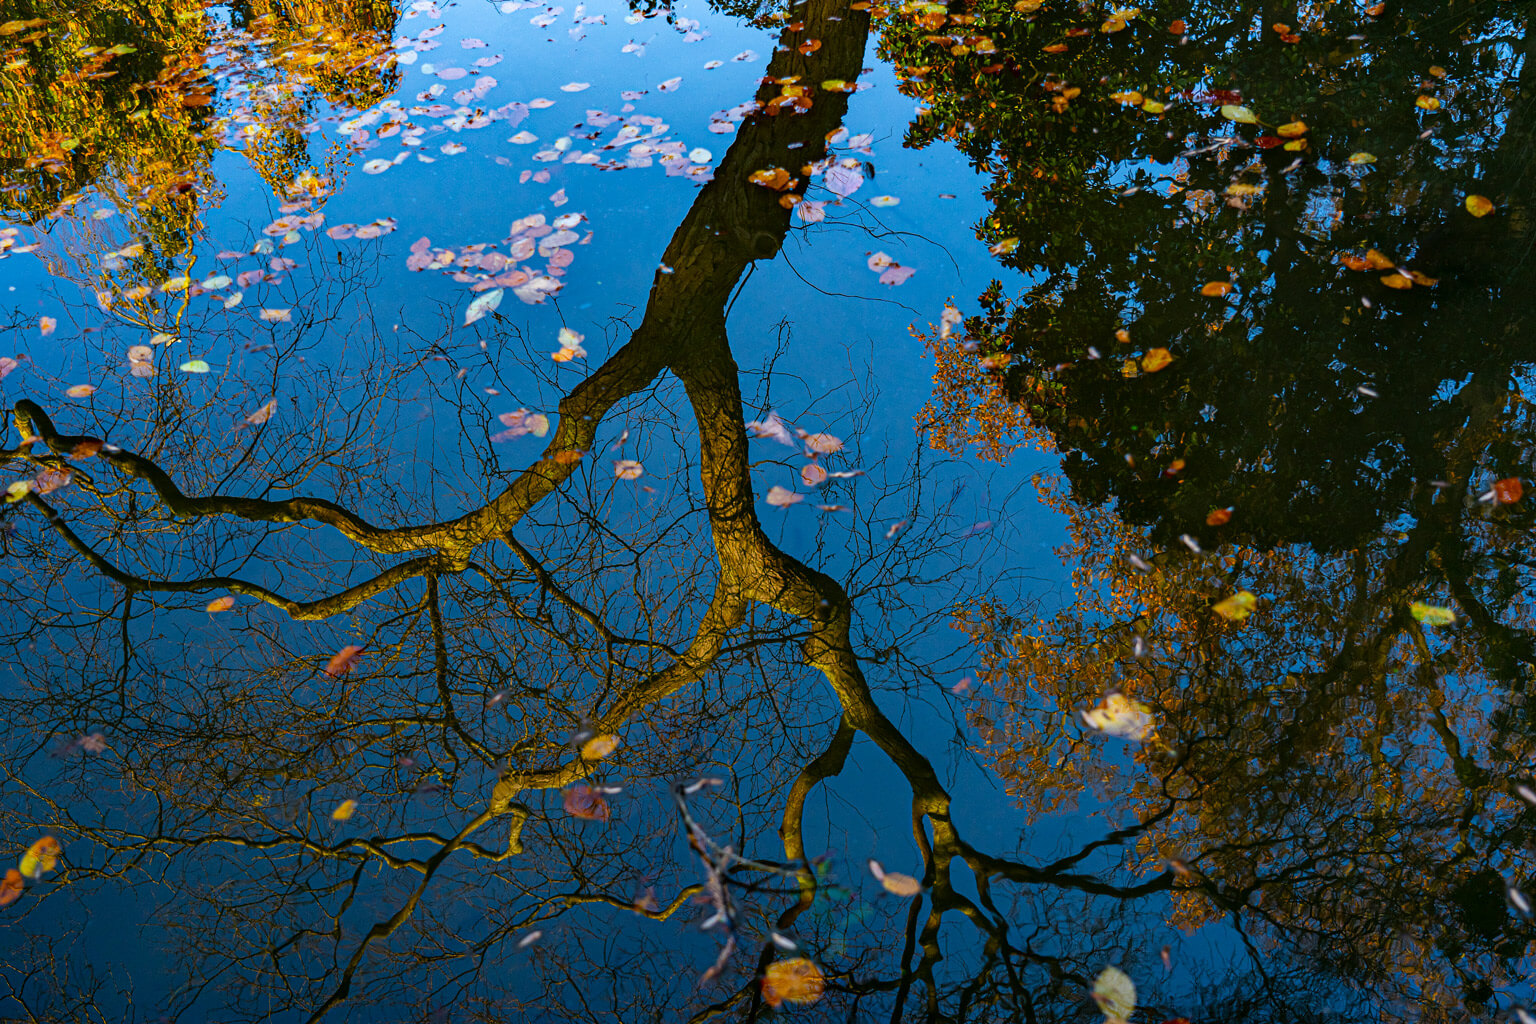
46 325
1215 289
1362 157
1237 607
582 801
1156 359
195 366
41 858
599 747
1479 206
220 604
1508 491
483 305
1115 993
344 810
81 391
11 887
797 981
822 444
896 883
343 661
263 414
1219 517
1242 115
1432 614
782 497
628 469
1120 716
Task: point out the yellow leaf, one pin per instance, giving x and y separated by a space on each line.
1153 107
1119 715
1396 280
41 857
792 981
1479 206
344 810
1130 98
599 747
1155 359
221 604
1115 993
1362 157
1237 607
1432 615
1233 112
1292 130
1427 103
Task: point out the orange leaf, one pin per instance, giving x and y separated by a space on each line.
1055 48
1479 206
809 47
1216 288
792 981
1354 262
1155 359
1219 517
10 888
1377 260
221 604
1508 491
1397 281
343 661
1176 27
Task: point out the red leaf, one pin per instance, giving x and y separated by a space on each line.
585 802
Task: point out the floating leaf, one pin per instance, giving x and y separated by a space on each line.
1292 130
582 801
1362 157
262 414
628 469
1155 359
599 747
343 661
812 475
46 325
1215 289
1115 993
221 604
1233 112
1237 607
81 391
41 858
1118 715
1427 103
11 887
1219 517
796 981
344 810
782 497
50 480
194 366
1507 491
483 305
895 882
1431 614
1479 206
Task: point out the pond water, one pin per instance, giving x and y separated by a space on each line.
998 511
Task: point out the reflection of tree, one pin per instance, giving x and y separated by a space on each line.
136 117
1122 215
494 641
1329 767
